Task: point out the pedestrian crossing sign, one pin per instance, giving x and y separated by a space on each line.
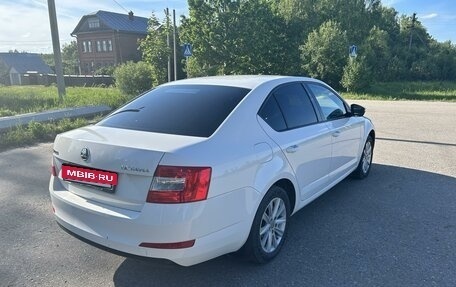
187 50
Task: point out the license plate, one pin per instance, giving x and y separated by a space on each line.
96 177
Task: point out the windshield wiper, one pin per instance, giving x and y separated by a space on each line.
125 111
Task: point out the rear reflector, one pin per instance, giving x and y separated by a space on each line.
176 184
174 245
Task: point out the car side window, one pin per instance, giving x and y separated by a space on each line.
271 114
295 105
331 105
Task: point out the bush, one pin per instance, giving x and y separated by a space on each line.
108 70
133 78
357 76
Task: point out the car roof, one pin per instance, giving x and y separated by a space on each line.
242 81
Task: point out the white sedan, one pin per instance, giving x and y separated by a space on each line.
202 167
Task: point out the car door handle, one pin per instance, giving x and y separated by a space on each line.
336 134
292 149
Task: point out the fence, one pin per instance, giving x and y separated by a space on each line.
70 80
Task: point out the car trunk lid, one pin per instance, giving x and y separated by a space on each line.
131 156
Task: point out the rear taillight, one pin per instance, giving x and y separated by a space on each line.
177 184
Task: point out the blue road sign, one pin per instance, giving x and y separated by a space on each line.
353 51
187 50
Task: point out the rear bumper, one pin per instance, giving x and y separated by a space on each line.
219 225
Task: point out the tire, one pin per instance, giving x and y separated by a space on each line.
265 239
365 162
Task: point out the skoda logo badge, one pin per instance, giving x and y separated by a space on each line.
85 153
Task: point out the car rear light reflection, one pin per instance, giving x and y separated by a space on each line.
174 245
53 171
176 184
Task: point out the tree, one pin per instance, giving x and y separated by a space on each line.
296 36
70 60
443 55
377 53
155 49
325 53
235 37
350 14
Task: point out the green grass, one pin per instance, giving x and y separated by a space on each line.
26 99
36 132
417 91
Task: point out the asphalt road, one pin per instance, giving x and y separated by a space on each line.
395 228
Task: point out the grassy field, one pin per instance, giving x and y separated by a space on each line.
39 132
26 99
418 91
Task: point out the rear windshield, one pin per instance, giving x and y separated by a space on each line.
190 110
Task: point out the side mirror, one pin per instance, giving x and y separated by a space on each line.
357 110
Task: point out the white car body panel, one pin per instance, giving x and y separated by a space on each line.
346 136
246 155
310 169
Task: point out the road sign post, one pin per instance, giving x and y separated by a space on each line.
187 53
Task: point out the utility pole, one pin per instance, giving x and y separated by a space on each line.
168 44
174 41
412 29
56 48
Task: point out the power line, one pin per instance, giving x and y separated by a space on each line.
121 6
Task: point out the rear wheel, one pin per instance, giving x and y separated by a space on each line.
269 228
365 162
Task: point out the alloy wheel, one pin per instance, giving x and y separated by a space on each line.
272 225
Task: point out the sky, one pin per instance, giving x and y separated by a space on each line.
24 24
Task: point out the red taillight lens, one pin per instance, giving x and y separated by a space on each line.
177 184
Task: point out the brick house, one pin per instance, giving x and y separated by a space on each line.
108 39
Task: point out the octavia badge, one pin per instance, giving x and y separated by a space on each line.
85 153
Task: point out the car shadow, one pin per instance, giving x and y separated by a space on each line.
396 227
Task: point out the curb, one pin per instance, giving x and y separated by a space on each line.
7 123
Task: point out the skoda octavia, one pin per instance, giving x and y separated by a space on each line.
202 167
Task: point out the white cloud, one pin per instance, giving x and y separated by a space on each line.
390 3
429 16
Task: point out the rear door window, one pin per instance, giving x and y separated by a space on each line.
288 107
296 106
190 110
